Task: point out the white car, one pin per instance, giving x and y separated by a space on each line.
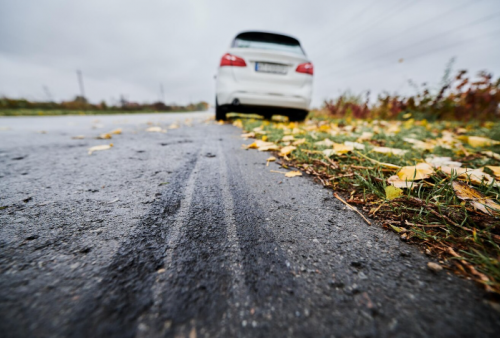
264 73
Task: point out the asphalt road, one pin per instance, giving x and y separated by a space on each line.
183 233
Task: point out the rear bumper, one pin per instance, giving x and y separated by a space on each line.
262 94
266 100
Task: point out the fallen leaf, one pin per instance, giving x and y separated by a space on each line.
293 173
354 145
399 183
413 173
248 135
386 150
495 169
474 175
78 137
173 126
418 144
392 192
325 143
329 152
299 141
365 136
155 130
287 150
101 147
491 154
478 141
105 136
270 159
287 138
117 131
438 162
342 148
238 124
478 200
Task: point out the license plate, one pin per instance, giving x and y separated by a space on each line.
274 68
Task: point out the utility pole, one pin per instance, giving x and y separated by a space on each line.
162 93
80 82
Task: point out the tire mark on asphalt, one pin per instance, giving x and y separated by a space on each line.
196 285
113 306
275 297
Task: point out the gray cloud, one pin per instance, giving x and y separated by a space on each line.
130 47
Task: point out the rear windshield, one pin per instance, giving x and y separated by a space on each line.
268 41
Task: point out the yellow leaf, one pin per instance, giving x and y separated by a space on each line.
329 152
342 148
495 169
478 200
438 162
392 192
287 138
238 124
399 183
365 136
491 154
354 145
105 136
248 135
293 173
98 148
386 150
270 159
413 173
264 138
173 126
117 131
287 150
155 130
475 176
325 143
478 141
420 145
299 141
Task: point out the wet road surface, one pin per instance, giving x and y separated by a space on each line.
184 234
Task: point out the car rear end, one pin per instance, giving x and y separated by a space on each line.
265 73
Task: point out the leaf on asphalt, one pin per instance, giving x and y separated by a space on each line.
299 141
293 173
287 150
438 162
392 192
156 130
173 126
248 135
325 143
386 150
395 181
105 136
270 159
287 138
238 124
78 137
420 171
478 141
478 200
117 131
99 148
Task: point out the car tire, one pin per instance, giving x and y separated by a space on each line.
220 112
297 116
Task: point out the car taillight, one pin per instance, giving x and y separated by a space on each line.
306 68
231 60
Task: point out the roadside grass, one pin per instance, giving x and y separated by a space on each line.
462 232
55 112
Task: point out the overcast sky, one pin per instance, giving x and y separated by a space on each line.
131 47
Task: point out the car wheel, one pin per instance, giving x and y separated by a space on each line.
298 116
220 112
